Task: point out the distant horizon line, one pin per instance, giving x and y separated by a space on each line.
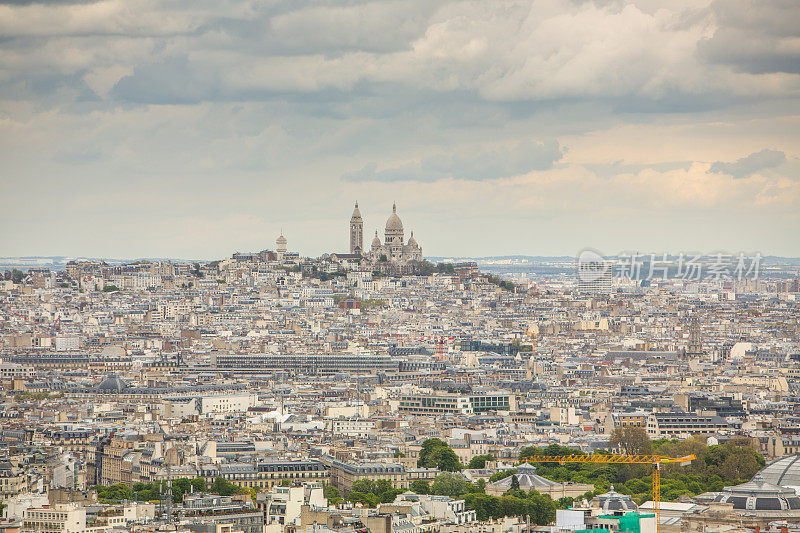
435 258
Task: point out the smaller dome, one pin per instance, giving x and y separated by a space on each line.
412 242
376 242
394 223
612 501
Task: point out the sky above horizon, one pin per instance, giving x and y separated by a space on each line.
198 128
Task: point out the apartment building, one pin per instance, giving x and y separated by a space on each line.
465 404
681 423
343 475
61 518
624 419
282 506
310 364
266 474
212 509
352 427
15 371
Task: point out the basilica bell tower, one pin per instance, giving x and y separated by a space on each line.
356 232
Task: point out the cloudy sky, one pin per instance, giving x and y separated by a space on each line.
195 128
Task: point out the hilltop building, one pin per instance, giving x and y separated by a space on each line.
393 249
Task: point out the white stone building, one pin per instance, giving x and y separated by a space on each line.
393 249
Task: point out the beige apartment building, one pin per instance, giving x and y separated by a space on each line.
343 475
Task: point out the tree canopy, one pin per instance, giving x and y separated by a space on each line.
479 461
435 453
631 440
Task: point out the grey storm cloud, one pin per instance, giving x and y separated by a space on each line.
188 52
473 165
753 163
754 37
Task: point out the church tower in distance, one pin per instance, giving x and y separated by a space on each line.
356 232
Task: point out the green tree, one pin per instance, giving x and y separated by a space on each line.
542 508
445 459
332 494
179 488
199 484
479 461
564 502
514 482
120 491
363 485
420 486
382 486
453 485
485 506
223 487
632 440
428 446
435 453
368 499
557 449
529 451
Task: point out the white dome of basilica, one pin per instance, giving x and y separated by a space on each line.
394 222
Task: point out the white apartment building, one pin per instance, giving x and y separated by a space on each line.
282 505
67 344
210 404
448 509
61 518
17 505
442 509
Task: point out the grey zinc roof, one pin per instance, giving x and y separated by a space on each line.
528 479
784 472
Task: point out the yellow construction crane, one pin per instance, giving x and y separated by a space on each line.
655 460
